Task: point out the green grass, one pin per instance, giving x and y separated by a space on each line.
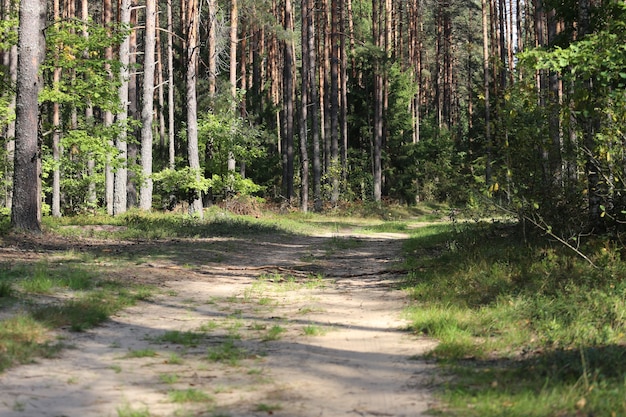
227 352
273 333
141 353
525 327
128 411
22 339
190 395
313 330
188 339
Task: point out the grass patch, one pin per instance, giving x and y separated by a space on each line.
227 352
274 333
22 339
268 408
313 330
174 359
141 353
190 395
128 411
169 378
525 327
89 309
188 339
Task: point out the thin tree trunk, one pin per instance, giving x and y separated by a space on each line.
170 86
335 164
304 104
192 113
145 195
120 178
10 62
288 104
485 24
314 102
89 116
212 47
234 20
109 176
56 134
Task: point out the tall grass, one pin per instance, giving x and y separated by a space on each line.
526 327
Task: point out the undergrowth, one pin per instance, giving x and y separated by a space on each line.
526 327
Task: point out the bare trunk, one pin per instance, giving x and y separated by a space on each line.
193 155
145 195
121 174
26 209
234 18
170 86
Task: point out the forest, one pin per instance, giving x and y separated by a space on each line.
159 104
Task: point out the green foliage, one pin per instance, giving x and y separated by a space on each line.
223 134
233 183
521 323
173 186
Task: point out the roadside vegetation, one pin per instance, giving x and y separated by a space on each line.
527 326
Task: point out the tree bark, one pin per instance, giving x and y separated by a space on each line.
195 206
234 20
120 178
56 134
145 196
288 103
26 209
170 86
109 176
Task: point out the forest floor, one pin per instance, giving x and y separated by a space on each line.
296 326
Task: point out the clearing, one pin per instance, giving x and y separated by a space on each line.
297 326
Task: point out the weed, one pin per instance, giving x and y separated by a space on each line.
189 339
128 411
22 339
227 352
116 368
313 330
174 359
169 378
141 353
268 408
208 326
6 289
189 395
274 333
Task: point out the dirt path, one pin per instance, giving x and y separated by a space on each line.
296 327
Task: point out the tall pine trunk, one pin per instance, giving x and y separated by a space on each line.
120 178
195 206
145 195
26 209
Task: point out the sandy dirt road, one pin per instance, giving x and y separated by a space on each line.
298 327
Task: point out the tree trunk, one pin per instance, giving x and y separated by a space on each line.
288 104
234 18
195 206
485 25
378 107
304 104
335 165
212 47
26 209
170 86
10 62
109 176
120 178
56 134
145 196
